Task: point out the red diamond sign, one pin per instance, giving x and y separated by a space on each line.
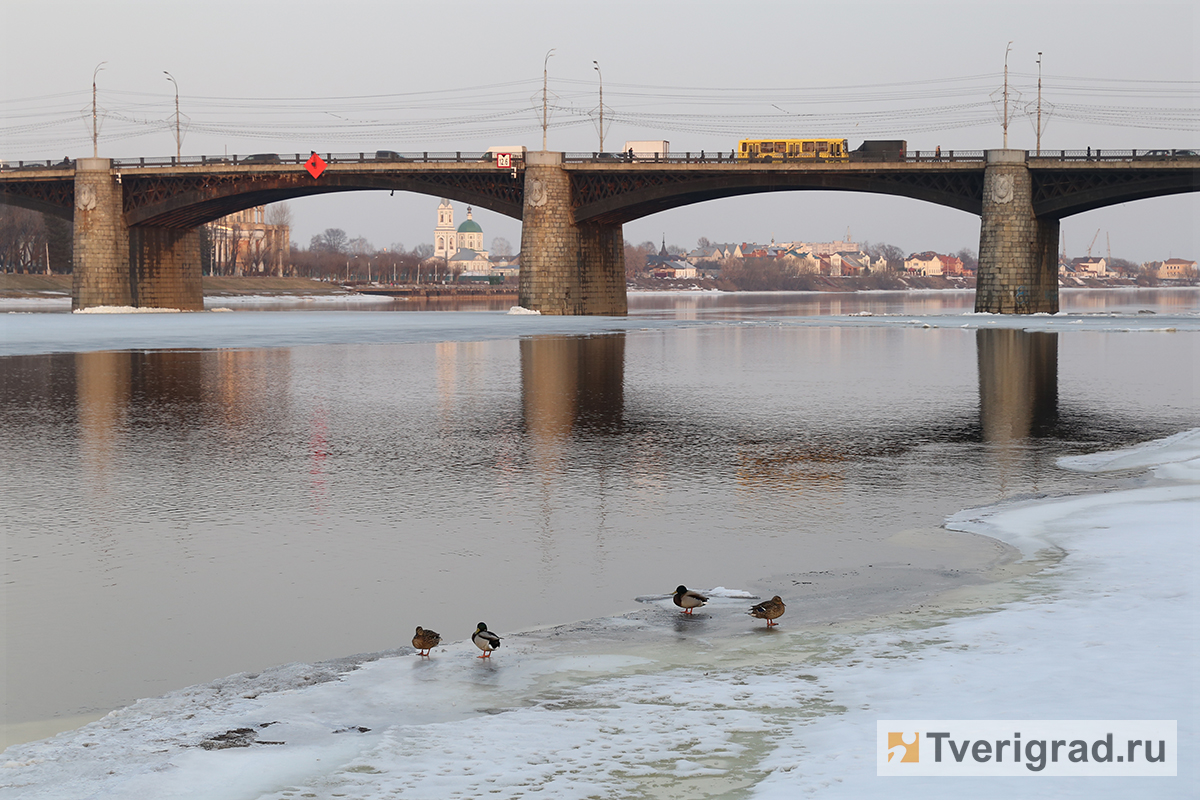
315 165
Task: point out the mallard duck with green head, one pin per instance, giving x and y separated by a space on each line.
485 640
687 599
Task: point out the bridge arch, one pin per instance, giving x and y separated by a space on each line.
1063 189
174 203
51 191
606 197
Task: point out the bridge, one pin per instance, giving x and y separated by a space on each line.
137 238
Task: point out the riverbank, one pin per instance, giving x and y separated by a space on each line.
805 283
29 286
49 286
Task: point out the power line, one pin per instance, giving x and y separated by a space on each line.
892 108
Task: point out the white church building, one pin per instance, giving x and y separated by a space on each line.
448 240
462 247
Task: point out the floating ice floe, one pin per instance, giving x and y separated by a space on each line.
125 310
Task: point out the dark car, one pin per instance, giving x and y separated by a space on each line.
389 155
262 158
1164 155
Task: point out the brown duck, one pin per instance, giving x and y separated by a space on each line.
769 610
426 640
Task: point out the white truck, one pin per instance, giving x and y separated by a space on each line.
648 151
515 152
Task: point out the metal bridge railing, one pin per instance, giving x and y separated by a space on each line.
706 157
1113 155
66 163
268 159
702 157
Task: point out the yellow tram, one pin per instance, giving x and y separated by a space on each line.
793 150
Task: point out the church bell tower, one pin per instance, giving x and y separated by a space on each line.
445 235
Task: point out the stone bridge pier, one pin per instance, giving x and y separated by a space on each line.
567 267
1018 251
121 265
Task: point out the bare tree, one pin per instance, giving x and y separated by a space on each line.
279 214
968 258
635 260
893 255
501 247
278 238
22 240
333 240
1148 274
423 251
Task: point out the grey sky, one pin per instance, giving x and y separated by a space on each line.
351 76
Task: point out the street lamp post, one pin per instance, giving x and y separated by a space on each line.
95 125
178 138
1006 52
1039 104
601 74
545 77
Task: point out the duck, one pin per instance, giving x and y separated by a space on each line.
425 640
769 610
485 640
687 600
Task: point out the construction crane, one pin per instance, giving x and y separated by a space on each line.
1093 244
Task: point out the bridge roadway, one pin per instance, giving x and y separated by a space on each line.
136 220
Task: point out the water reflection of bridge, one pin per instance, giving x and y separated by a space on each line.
576 384
571 386
572 395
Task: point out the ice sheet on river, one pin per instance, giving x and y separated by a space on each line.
657 704
37 333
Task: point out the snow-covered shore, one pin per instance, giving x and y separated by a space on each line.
661 705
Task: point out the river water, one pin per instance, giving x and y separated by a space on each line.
191 496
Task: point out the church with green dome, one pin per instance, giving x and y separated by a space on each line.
448 240
461 248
